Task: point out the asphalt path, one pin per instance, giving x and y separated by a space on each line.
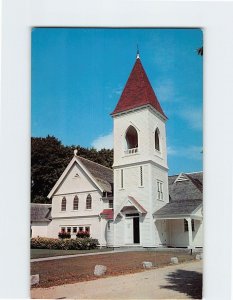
182 281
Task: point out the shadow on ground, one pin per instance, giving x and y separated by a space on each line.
187 282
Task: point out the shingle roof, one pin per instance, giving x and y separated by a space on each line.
40 212
138 91
186 190
102 175
177 208
185 196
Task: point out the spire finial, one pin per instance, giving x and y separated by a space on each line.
138 56
75 152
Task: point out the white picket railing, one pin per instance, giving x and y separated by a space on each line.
131 151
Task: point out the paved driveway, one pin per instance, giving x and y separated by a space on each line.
183 281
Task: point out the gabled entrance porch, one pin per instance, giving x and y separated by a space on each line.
131 215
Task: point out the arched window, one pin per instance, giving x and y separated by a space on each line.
63 204
88 202
75 203
157 146
131 138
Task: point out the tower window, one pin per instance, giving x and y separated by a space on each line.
88 202
122 178
157 146
63 204
75 203
141 176
131 138
159 190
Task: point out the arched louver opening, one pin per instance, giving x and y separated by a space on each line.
75 203
131 138
157 146
88 202
63 204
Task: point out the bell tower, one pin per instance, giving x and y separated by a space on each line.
140 161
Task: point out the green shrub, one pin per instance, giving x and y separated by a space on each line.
64 244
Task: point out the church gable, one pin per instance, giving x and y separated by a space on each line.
75 181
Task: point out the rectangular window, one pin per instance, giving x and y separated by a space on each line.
80 228
69 229
122 178
141 176
63 229
186 227
110 203
74 229
87 228
159 190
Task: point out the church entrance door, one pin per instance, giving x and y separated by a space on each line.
132 229
136 231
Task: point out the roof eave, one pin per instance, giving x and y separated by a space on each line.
117 113
59 181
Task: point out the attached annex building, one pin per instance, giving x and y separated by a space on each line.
136 203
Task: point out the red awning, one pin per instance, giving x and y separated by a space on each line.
107 214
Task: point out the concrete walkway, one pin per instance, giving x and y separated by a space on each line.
86 254
183 281
117 250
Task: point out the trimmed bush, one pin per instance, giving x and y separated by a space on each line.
64 244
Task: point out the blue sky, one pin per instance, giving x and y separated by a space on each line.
78 76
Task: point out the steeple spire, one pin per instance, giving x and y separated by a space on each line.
137 91
138 56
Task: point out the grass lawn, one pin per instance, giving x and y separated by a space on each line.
76 269
40 253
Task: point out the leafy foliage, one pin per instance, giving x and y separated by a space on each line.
64 244
49 158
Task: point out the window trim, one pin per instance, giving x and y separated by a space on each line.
63 204
122 179
160 194
75 202
141 177
157 135
129 150
90 199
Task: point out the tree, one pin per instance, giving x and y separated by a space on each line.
49 158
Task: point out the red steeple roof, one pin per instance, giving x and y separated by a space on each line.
138 91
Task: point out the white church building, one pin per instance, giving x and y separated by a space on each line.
136 203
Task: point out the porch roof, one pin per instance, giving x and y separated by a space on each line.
178 209
41 212
130 202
